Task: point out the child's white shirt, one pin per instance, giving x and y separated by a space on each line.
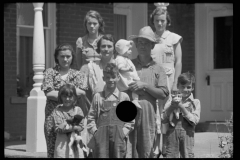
129 75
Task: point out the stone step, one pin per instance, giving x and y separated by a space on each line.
213 127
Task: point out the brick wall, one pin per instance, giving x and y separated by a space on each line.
14 114
182 16
70 17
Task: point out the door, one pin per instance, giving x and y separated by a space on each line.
136 18
214 60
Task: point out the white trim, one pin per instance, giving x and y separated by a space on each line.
145 12
204 14
51 41
212 13
124 9
50 38
198 26
26 26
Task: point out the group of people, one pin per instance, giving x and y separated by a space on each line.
80 113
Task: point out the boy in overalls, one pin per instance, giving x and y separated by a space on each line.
109 133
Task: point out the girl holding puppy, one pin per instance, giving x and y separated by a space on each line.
68 145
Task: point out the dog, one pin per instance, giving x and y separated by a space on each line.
75 137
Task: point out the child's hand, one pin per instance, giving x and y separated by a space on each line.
78 128
185 105
62 125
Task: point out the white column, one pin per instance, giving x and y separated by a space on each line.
37 100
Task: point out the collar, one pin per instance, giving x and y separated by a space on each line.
107 93
57 68
149 64
164 35
97 39
189 98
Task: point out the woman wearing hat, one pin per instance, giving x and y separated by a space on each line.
167 52
152 86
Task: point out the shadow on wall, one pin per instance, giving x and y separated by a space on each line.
210 126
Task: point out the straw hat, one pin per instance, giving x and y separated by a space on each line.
122 46
145 32
91 54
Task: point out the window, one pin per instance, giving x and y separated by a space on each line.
120 26
223 42
25 26
122 20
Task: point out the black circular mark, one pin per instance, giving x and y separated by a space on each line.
126 111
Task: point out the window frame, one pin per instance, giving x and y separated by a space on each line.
49 36
124 9
214 12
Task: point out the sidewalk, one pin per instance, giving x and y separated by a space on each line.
206 146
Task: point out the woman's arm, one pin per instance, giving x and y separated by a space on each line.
60 124
158 93
80 92
92 118
52 95
48 85
79 58
177 65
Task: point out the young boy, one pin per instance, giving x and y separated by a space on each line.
180 137
128 73
108 132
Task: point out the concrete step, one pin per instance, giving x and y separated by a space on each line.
214 127
17 149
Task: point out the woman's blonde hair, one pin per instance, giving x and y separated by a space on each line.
160 11
96 15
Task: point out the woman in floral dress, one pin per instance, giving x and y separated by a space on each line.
54 78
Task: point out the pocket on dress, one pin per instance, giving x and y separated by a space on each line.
169 54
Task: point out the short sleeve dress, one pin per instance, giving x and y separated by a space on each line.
81 44
163 53
52 82
62 140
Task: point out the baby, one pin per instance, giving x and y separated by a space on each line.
176 98
128 73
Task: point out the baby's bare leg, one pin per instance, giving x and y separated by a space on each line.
135 100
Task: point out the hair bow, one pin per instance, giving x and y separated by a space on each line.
161 5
